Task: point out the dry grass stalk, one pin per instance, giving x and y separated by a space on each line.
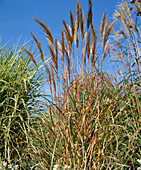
90 14
53 79
93 51
45 29
119 15
105 33
93 32
104 53
64 85
82 22
53 57
68 61
77 23
119 45
102 25
62 46
31 55
72 25
82 31
38 45
85 54
66 29
88 45
68 36
56 53
48 73
77 34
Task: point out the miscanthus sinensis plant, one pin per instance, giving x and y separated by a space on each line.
93 118
19 99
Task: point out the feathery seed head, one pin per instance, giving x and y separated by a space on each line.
45 29
38 46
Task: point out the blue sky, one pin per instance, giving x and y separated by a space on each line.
16 16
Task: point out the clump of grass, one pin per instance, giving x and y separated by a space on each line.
93 120
19 99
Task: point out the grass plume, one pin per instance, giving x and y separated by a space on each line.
93 119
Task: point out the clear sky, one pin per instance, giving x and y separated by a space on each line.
16 16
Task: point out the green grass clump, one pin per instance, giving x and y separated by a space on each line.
19 95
